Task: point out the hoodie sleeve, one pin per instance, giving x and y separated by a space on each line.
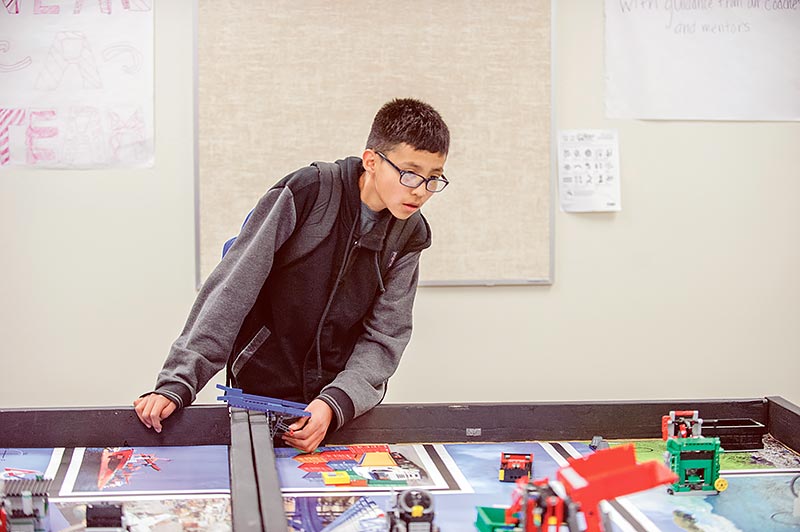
362 384
227 296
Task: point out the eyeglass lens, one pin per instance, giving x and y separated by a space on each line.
413 180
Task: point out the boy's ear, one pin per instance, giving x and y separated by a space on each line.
369 159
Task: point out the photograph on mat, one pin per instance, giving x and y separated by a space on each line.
362 468
29 463
328 513
147 470
152 513
482 462
737 509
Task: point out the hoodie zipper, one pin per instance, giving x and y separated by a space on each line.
378 271
347 258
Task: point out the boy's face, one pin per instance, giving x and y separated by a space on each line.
381 188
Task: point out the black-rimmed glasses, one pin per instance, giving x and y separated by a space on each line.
412 180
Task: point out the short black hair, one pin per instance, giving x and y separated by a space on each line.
409 121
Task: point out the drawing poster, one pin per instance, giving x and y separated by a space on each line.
77 84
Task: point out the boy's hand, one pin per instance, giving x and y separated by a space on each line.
308 432
152 409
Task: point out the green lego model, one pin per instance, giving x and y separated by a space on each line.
696 462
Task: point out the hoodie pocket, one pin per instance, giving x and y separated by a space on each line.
249 350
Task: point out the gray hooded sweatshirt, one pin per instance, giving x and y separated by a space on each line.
303 305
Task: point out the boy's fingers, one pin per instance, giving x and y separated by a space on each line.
152 409
308 441
162 408
148 414
299 444
299 424
143 420
155 417
140 407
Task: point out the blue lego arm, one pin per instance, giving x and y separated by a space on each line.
236 397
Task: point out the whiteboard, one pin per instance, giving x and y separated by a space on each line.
285 83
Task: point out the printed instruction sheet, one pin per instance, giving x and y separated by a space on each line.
588 170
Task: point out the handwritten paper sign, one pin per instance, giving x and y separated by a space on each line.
703 59
76 83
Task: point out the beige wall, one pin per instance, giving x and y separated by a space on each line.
692 291
98 266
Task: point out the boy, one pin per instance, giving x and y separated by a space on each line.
313 301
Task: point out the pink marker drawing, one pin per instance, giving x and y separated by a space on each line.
5 46
8 118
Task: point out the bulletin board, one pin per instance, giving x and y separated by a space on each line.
284 83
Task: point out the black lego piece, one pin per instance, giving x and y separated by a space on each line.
104 516
736 434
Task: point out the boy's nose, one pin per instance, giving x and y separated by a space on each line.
420 191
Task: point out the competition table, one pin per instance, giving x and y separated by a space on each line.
257 503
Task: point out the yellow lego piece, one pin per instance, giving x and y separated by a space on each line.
377 459
335 478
